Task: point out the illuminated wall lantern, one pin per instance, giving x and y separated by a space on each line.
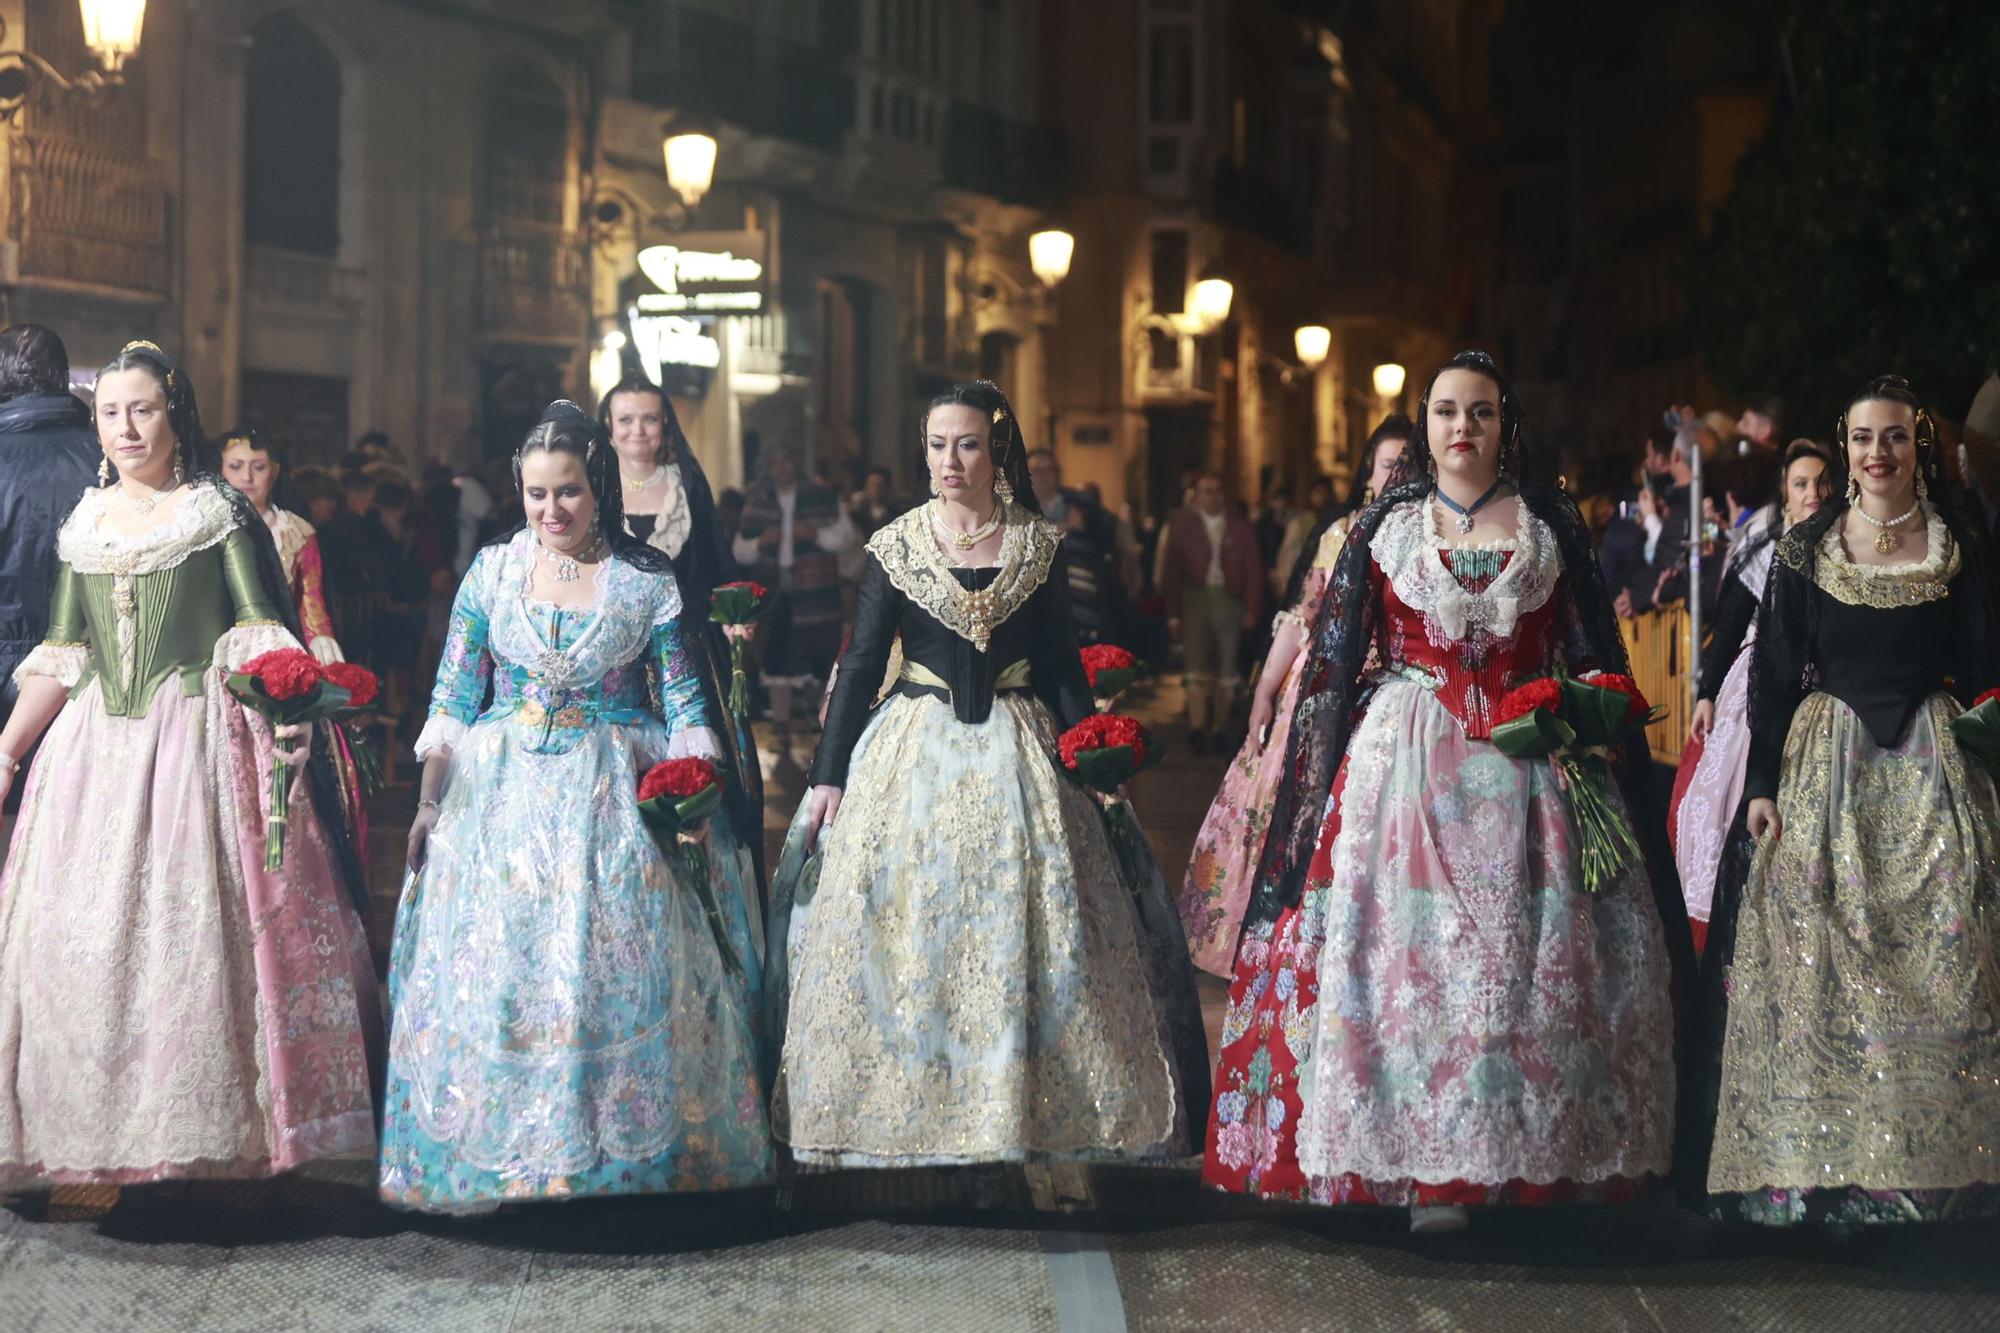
1389 380
1049 254
1312 342
690 165
111 29
1212 299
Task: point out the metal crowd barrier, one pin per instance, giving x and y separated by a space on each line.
1657 642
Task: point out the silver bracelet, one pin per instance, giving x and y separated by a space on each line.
428 804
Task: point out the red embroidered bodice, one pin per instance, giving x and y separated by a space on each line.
1470 623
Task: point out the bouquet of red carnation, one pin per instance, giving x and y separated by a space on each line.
674 798
1105 752
736 607
1978 731
1574 723
363 688
1111 671
286 687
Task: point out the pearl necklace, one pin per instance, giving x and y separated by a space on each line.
965 541
658 472
1887 538
147 503
567 568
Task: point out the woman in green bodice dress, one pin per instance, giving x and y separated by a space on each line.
168 1008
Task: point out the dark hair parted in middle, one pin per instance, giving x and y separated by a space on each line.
566 428
1009 446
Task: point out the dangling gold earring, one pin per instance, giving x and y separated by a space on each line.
936 490
103 472
1923 491
1003 488
1853 490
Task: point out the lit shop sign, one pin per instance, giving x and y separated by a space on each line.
671 340
720 274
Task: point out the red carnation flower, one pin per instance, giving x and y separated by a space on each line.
1104 731
757 590
678 778
1544 693
1106 657
361 684
1993 693
286 673
1636 707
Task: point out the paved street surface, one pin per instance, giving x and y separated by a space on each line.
937 1251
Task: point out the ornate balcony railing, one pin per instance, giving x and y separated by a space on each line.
534 283
283 280
89 214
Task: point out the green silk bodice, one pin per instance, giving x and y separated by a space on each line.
177 615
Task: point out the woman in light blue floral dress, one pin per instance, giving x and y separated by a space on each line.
563 1022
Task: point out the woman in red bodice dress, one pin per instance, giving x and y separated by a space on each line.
1428 1009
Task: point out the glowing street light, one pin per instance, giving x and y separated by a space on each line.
1389 380
1049 253
111 29
1312 342
690 165
1212 299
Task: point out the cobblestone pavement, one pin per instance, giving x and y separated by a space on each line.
938 1251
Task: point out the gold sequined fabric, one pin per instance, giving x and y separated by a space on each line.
1863 1040
967 982
909 555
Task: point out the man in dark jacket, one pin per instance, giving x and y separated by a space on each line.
48 457
1214 588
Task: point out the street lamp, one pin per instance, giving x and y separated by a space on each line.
1211 301
1049 254
690 159
1389 380
111 29
1312 342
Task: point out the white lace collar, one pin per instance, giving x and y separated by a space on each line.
1410 549
674 522
202 519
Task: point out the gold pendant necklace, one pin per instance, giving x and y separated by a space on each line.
1887 538
658 472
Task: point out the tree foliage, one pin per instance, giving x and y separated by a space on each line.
1863 234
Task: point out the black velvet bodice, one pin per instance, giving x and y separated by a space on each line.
1039 632
1883 662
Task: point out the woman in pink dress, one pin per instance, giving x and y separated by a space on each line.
1428 1008
252 466
1219 877
170 1009
1722 714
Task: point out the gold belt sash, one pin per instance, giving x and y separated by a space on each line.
1012 677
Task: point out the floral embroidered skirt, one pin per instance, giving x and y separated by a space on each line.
1714 791
169 1009
1446 1017
1231 841
563 1024
1860 1074
968 979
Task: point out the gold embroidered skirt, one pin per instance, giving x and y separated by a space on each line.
966 976
1862 1050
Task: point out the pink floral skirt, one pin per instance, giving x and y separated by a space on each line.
167 1008
1226 851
